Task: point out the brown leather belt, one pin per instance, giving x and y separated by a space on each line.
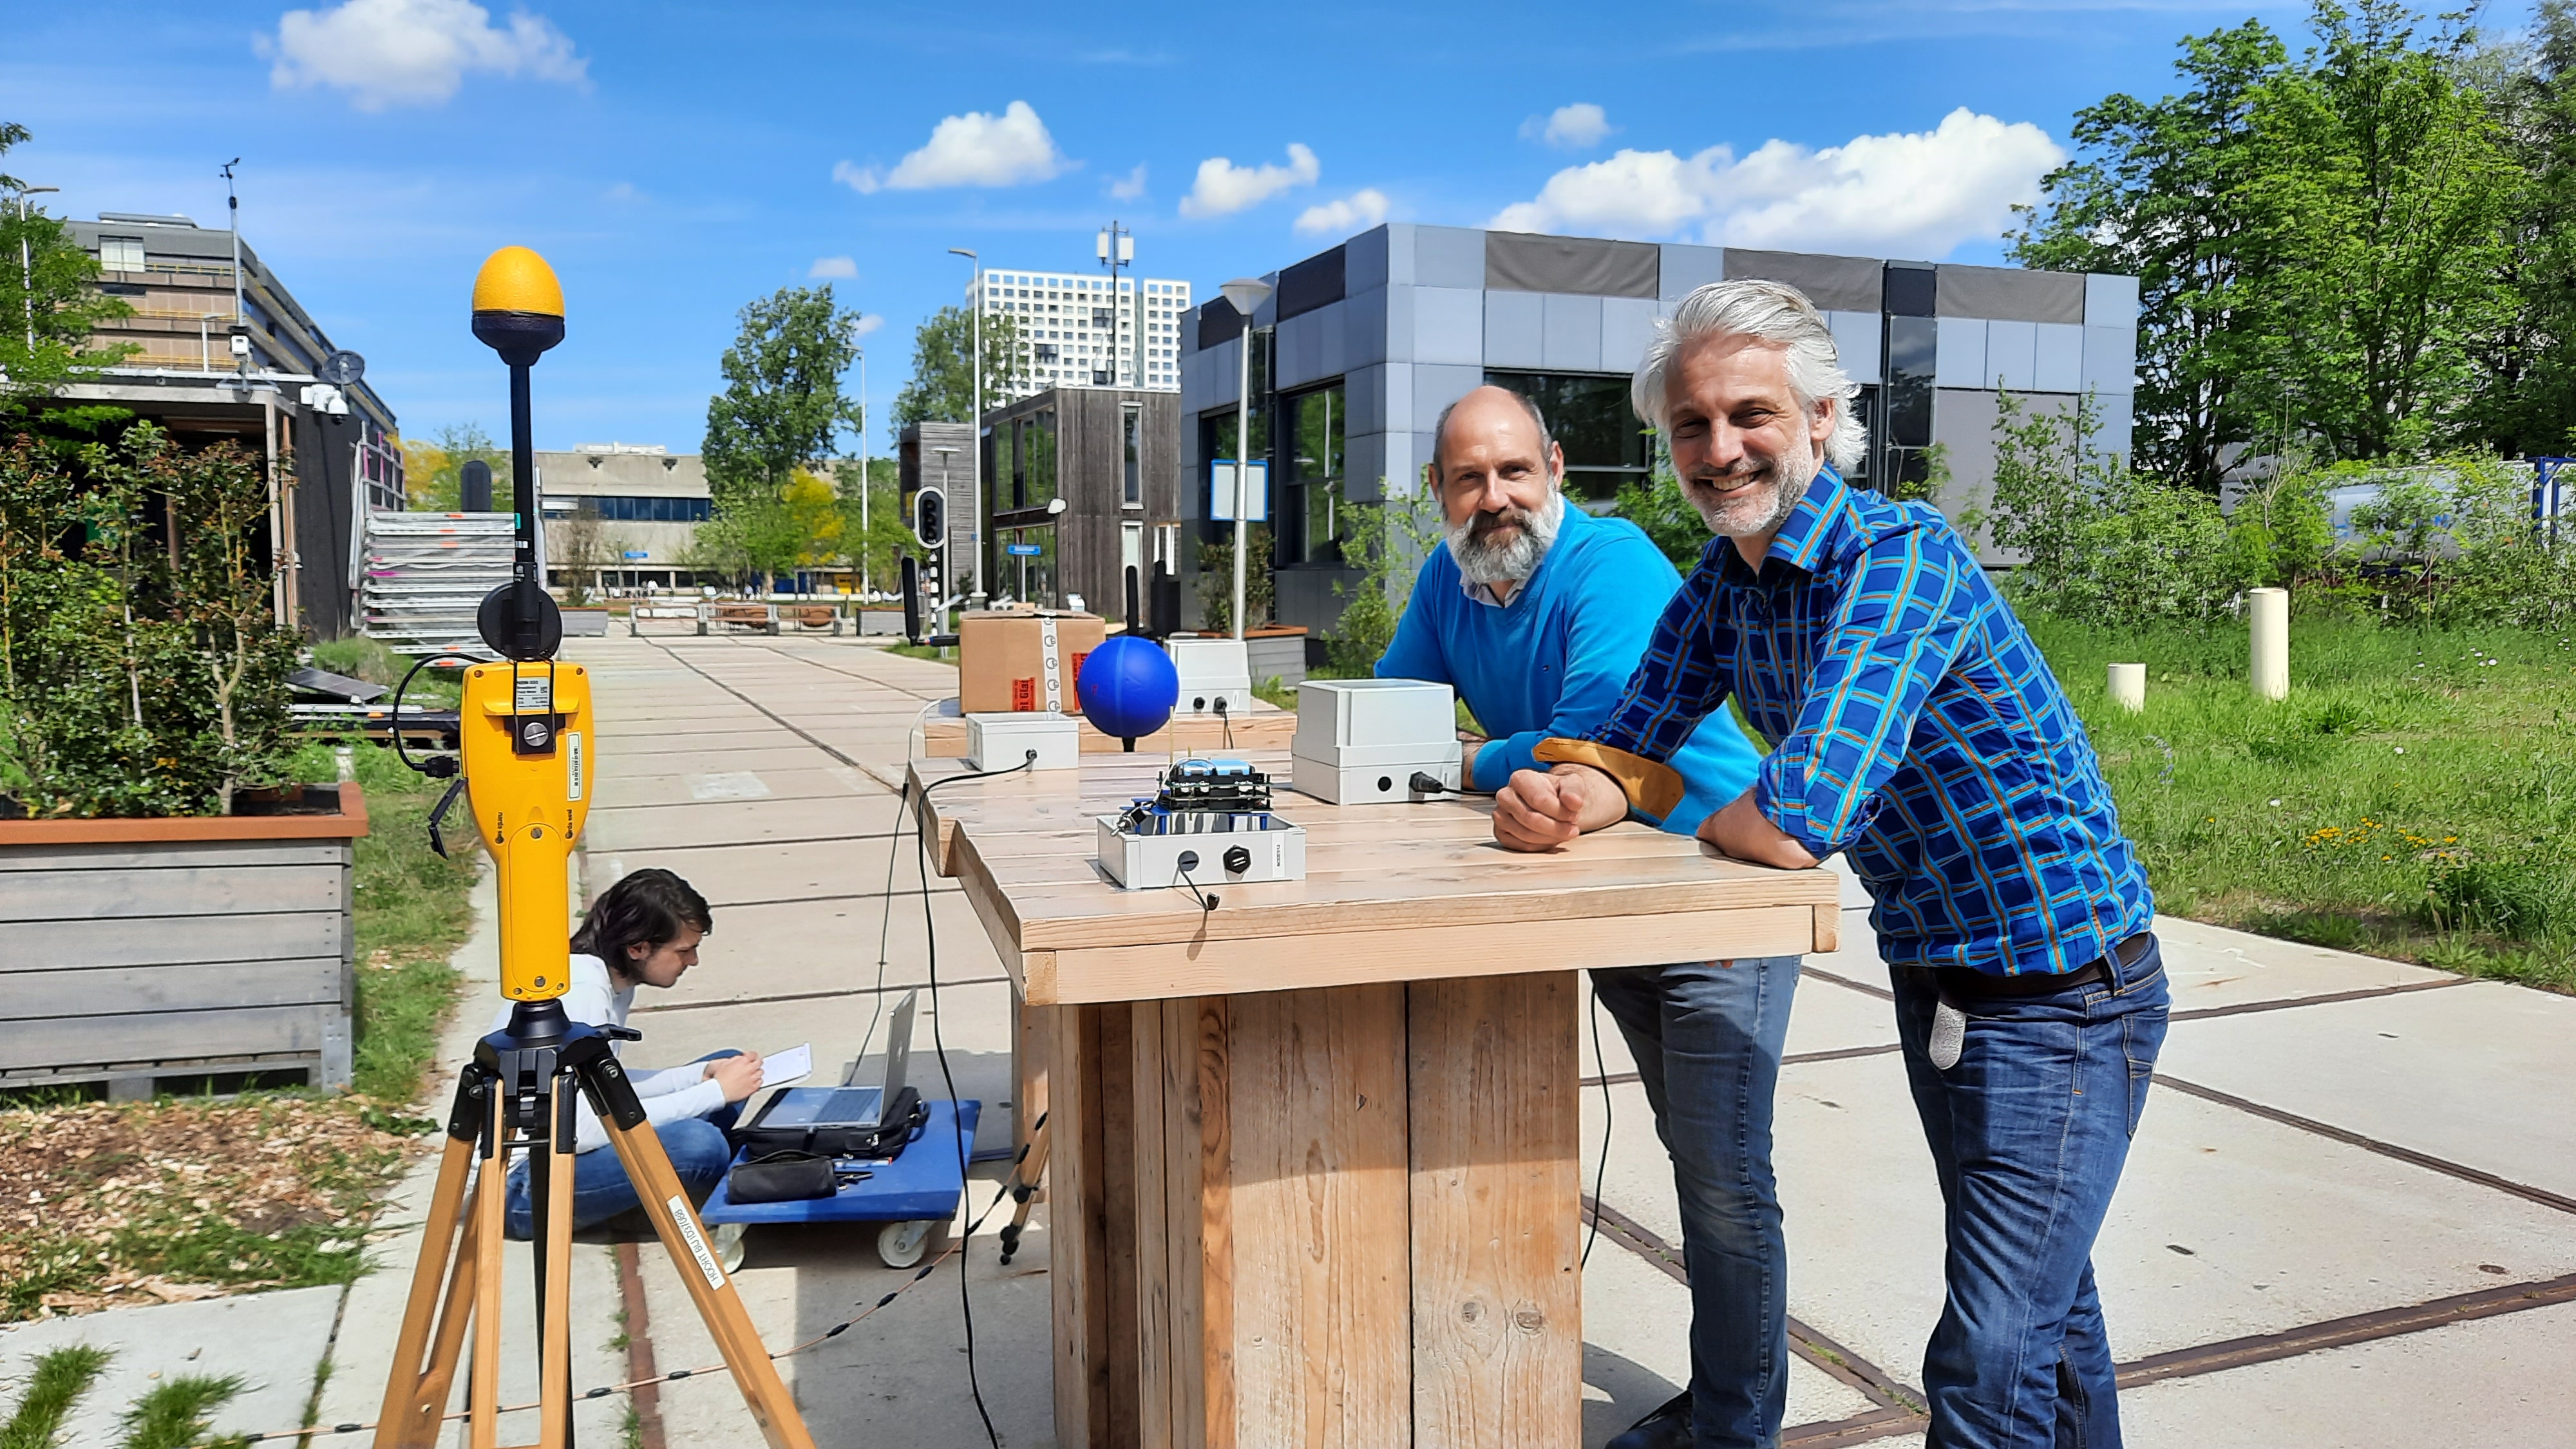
1968 983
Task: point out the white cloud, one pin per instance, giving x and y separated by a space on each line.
868 323
837 268
412 52
1917 193
975 149
1129 186
1578 127
1224 188
1356 212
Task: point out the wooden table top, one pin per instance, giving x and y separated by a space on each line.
1393 892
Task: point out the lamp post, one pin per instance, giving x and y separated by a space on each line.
1245 295
205 348
27 263
975 416
863 475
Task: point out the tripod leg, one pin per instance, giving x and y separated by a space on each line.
553 1159
1024 1188
415 1393
491 1197
719 1306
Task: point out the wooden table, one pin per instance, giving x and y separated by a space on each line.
1313 1177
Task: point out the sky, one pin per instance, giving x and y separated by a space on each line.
675 162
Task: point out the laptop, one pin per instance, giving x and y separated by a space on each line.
848 1106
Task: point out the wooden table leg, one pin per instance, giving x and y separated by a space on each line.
1338 1217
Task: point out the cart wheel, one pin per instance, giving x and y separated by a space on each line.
901 1245
729 1246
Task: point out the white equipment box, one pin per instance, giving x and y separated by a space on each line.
1215 675
1360 741
1271 849
1000 741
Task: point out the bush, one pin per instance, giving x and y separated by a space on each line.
1386 542
138 675
1216 580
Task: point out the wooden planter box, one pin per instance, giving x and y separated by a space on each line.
133 950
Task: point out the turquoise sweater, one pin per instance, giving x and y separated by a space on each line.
1554 661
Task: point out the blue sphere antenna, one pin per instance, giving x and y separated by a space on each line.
1128 687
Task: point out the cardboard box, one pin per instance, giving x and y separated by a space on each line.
1015 661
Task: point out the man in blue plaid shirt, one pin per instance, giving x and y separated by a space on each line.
1918 731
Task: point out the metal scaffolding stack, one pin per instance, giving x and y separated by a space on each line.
425 573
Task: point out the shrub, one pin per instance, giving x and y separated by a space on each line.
138 675
1386 542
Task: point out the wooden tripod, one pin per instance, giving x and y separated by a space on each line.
519 1092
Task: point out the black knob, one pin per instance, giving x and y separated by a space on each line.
1385 783
1237 860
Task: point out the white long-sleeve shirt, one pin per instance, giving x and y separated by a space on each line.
672 1094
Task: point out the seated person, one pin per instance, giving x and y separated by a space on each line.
643 931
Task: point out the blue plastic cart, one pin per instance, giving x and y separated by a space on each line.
913 1196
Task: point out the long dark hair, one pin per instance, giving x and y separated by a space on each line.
648 907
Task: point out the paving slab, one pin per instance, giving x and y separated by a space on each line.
656 750
735 874
718 778
2495 1383
1825 1016
2212 966
2487 1070
719 822
2226 1224
272 1341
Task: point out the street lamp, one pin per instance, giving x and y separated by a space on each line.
863 475
1245 295
975 419
27 263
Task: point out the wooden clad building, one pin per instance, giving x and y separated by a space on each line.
1111 459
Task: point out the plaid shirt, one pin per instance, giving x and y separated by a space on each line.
1917 728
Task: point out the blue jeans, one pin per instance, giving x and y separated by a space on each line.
699 1148
2028 1133
1707 1037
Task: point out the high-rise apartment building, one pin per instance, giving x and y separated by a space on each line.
1075 332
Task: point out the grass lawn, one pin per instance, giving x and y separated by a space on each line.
2414 797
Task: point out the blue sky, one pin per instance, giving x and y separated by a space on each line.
676 161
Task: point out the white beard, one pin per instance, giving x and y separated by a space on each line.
1752 511
1488 564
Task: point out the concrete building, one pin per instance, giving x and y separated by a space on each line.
178 279
1359 348
1074 332
1112 460
622 514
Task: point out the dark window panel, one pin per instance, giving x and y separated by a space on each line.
1589 415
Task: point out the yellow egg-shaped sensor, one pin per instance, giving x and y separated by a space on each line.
518 305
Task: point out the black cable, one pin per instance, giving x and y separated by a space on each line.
1226 721
1601 1173
418 665
1204 900
939 1049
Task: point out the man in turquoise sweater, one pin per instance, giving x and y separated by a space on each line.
1537 612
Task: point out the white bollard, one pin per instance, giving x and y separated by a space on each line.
2129 686
2271 667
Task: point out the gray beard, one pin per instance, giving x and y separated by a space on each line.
1729 519
1486 563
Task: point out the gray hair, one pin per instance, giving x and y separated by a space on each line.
1771 312
1440 426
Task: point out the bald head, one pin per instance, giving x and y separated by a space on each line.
1495 470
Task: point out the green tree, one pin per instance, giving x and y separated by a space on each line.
876 543
2159 191
943 376
434 468
2380 195
782 405
2526 403
48 305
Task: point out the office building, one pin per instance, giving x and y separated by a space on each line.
1111 459
1074 332
1359 348
178 279
623 515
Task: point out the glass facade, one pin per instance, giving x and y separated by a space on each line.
1131 445
614 509
1604 443
1025 476
1030 577
1906 401
1312 474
